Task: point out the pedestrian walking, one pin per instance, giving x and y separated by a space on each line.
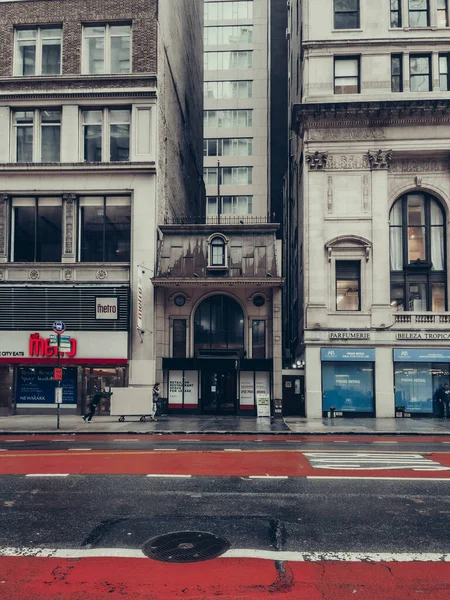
95 401
155 401
442 397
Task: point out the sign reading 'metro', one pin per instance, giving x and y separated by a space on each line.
107 308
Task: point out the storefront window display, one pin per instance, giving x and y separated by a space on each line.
348 380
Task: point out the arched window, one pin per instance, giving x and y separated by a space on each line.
219 324
417 254
217 252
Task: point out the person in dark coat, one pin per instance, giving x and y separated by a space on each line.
96 399
155 396
442 397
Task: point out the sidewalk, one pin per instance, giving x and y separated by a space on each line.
201 425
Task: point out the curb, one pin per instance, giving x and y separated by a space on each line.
234 433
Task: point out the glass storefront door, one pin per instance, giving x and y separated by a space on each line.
348 387
416 385
219 392
98 378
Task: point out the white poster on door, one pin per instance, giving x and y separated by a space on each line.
262 385
175 389
190 389
247 389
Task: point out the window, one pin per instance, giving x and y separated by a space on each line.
417 254
346 14
225 90
37 230
396 73
38 51
238 9
228 147
224 36
225 61
227 118
230 205
443 73
219 324
179 338
419 13
228 175
396 13
217 256
105 225
420 73
258 339
37 135
107 49
442 13
106 135
348 289
346 75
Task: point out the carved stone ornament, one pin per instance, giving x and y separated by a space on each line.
317 160
330 194
34 274
3 223
360 133
68 274
347 162
69 200
425 165
380 159
418 180
101 274
365 198
2 274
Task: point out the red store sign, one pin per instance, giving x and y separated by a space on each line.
40 347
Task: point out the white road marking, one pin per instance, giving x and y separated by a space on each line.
126 440
79 449
12 441
341 442
47 475
378 478
384 442
3 449
268 477
232 450
165 449
192 440
355 557
374 461
172 475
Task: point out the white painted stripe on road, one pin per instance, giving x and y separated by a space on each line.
384 442
341 442
69 553
3 449
12 441
232 450
268 477
165 449
126 440
47 475
380 478
172 475
79 449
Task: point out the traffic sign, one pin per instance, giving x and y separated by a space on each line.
59 327
57 374
58 395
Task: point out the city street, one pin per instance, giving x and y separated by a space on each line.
345 517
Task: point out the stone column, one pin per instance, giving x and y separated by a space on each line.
4 228
381 310
69 228
384 382
313 382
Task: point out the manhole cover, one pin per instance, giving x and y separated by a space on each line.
185 547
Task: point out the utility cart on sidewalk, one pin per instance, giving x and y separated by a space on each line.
132 402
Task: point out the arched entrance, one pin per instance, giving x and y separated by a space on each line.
219 343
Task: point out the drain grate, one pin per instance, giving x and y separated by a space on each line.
185 547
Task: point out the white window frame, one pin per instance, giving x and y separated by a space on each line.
223 54
106 131
212 201
37 137
107 48
235 117
39 46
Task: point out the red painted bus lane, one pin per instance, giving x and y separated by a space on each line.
212 463
23 578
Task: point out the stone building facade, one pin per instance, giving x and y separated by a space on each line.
368 204
100 121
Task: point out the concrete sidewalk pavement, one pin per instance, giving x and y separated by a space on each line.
204 425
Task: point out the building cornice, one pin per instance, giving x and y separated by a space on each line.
369 115
128 167
215 282
208 228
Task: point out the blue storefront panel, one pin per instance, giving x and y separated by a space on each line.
348 380
35 385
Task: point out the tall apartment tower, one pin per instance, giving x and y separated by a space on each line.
236 108
368 205
101 140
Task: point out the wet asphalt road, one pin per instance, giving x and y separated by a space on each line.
293 514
